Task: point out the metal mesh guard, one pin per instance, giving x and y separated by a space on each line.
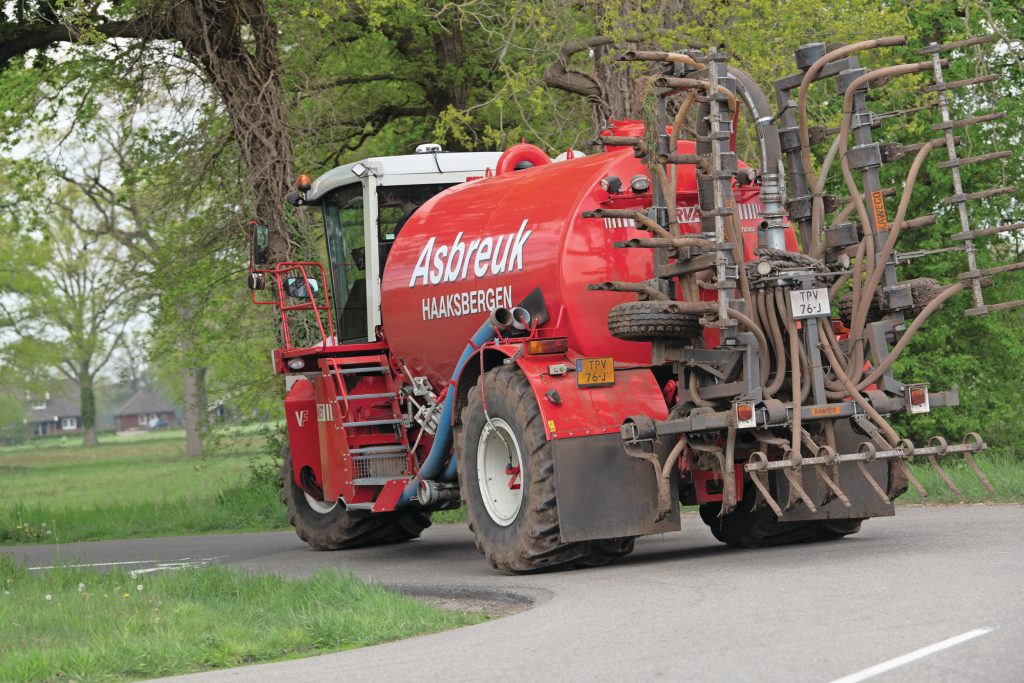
367 466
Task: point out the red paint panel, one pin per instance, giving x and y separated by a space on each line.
300 414
701 478
589 411
389 495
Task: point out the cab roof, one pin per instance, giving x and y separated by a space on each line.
407 169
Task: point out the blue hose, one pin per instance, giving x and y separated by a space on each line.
442 446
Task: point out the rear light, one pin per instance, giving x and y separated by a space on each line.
536 347
296 363
745 417
917 398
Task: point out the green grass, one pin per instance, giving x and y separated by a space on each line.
1004 472
75 624
133 487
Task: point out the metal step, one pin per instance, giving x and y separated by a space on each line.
375 481
359 397
371 423
369 370
397 448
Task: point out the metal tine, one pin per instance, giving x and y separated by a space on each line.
869 450
966 161
988 308
908 447
1009 227
828 453
759 456
940 442
983 194
796 481
967 42
963 123
953 85
976 437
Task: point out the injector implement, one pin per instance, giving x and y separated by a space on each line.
572 347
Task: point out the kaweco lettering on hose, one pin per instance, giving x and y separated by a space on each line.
878 207
492 255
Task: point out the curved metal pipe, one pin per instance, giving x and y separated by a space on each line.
441 449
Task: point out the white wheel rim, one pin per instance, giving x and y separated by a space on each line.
499 466
319 506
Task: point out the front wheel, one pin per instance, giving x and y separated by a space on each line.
330 526
507 477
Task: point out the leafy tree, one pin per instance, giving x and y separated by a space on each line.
80 309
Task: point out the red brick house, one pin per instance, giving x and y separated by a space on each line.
145 410
46 416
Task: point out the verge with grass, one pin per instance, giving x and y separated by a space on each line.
78 624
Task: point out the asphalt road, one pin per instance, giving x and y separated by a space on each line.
681 607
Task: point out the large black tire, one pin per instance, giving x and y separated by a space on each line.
529 538
922 289
341 529
750 527
650 320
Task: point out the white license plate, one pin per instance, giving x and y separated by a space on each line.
810 303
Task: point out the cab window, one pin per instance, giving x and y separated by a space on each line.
395 205
343 225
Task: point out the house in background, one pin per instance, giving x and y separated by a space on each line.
46 416
144 410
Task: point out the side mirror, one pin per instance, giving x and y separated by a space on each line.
259 244
295 287
256 281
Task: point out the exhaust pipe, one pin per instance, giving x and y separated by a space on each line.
508 321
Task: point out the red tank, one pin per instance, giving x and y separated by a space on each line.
491 242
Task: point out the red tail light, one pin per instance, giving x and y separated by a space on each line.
536 347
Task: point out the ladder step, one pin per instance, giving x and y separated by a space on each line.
953 85
974 274
371 423
358 397
976 40
375 481
397 448
988 308
953 163
375 369
984 194
973 234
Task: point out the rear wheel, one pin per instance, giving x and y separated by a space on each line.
756 527
507 478
329 526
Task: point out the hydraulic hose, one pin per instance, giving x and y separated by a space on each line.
442 446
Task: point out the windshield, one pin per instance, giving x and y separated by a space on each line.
343 223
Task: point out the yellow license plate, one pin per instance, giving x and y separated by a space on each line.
595 372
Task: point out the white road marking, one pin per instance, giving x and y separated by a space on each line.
914 656
158 566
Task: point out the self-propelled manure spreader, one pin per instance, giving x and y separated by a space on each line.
572 347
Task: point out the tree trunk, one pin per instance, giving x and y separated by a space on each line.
87 398
195 409
246 73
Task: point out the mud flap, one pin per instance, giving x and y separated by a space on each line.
603 493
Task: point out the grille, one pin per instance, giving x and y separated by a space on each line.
391 465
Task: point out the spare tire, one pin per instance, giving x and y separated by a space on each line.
922 289
651 320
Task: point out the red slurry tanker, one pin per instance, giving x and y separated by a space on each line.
572 347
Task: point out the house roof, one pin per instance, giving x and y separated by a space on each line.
144 402
55 409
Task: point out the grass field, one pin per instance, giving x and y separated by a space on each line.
133 486
139 486
73 624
